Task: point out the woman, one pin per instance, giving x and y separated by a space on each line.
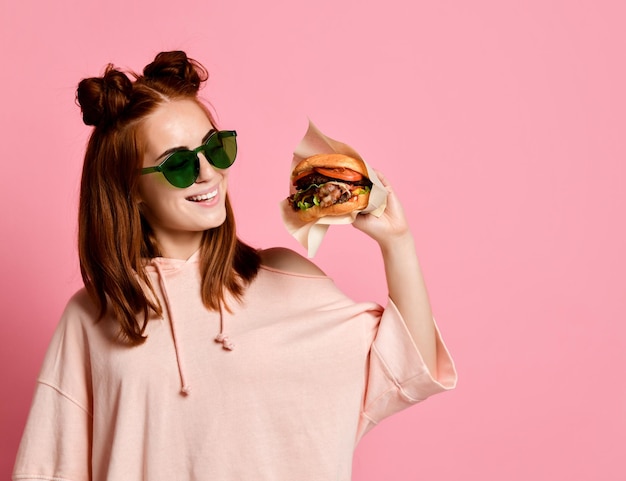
190 355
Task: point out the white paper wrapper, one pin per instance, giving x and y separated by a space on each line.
311 234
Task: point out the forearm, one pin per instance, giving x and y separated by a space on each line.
407 290
406 285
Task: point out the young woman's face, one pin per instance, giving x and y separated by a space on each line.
179 216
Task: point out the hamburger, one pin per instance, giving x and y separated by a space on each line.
329 184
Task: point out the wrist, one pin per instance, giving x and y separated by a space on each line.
403 242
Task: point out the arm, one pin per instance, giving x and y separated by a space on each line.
404 277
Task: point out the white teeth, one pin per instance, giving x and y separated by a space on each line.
203 197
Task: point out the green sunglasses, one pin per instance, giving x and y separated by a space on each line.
182 167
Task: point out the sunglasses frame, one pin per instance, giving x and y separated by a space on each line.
212 136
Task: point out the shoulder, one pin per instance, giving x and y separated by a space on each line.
79 314
81 324
283 259
81 304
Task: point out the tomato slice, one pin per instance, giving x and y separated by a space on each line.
297 177
340 173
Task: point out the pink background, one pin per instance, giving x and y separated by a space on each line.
501 125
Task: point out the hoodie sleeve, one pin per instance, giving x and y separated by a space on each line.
56 443
397 375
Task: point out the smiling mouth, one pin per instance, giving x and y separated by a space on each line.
203 197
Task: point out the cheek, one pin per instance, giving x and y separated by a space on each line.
152 186
225 178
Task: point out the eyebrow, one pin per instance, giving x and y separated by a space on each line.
178 149
168 152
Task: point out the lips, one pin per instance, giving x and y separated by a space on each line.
203 197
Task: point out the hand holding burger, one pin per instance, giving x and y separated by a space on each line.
329 185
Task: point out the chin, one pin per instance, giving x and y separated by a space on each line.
215 220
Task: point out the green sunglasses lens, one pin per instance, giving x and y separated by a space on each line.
181 168
221 149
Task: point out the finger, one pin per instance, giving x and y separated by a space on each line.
383 180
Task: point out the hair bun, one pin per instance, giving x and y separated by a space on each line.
176 70
102 99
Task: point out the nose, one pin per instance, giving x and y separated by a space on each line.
207 171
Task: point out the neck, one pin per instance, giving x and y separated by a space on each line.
180 246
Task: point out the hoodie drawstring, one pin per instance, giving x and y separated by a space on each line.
184 389
221 337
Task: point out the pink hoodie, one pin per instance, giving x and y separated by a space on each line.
298 373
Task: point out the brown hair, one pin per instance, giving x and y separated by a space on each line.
114 238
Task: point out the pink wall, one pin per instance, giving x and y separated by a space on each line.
501 124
